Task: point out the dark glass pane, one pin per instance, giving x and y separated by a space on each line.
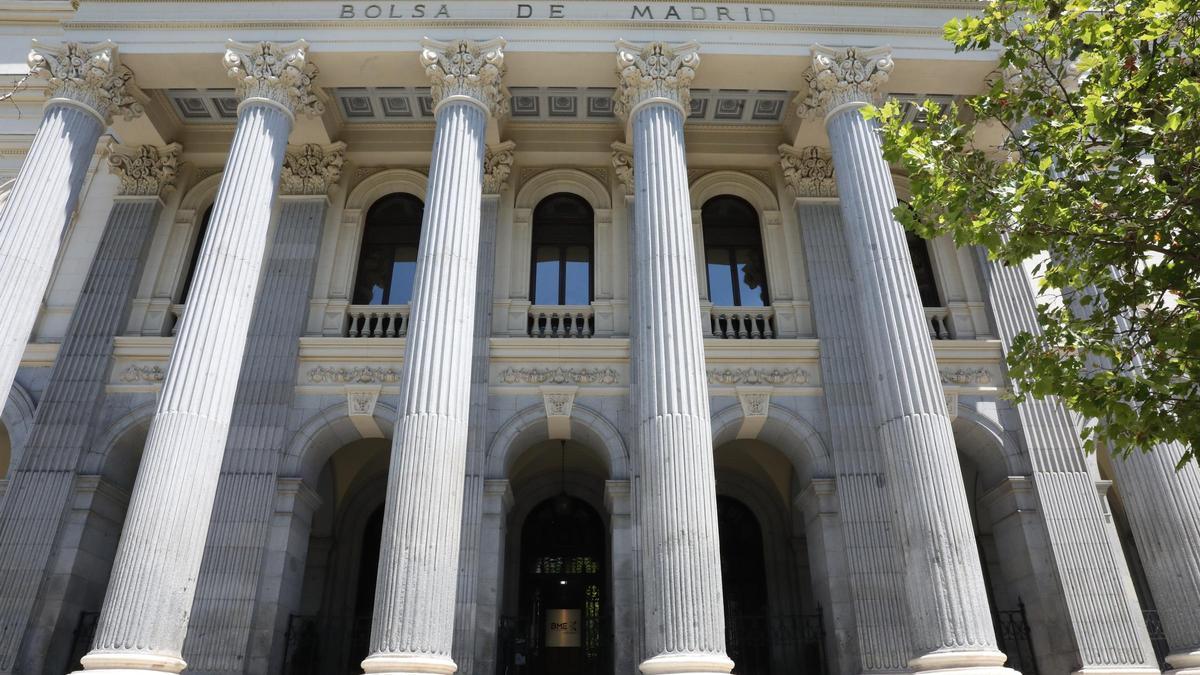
720 280
918 249
374 276
386 260
187 283
752 278
578 275
545 275
404 269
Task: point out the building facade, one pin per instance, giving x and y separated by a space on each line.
350 337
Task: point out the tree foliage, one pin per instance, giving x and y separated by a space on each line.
1082 154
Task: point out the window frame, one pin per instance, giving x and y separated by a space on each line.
730 247
562 243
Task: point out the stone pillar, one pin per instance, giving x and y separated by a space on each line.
684 617
227 604
948 605
413 625
1106 628
469 625
880 635
497 501
86 85
40 487
618 499
149 600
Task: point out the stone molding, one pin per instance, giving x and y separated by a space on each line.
145 170
756 406
311 169
966 376
465 69
361 375
88 74
654 72
360 406
559 400
142 373
844 76
559 376
808 171
497 164
280 73
758 376
622 161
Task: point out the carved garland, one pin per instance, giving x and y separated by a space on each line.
758 376
361 375
559 376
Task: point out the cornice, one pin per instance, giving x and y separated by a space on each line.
903 4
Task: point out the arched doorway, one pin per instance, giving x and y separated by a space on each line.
743 579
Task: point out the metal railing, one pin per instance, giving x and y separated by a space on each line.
1013 638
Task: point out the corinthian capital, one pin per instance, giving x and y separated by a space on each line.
497 163
463 69
622 161
655 72
275 72
145 171
90 75
312 169
845 75
808 171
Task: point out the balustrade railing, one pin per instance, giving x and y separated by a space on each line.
937 319
561 321
176 312
377 321
742 323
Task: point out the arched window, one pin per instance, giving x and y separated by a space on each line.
733 252
561 272
387 259
918 250
187 281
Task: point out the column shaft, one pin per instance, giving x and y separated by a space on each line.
153 581
414 602
677 496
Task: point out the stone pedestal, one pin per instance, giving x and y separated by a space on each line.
413 625
681 566
149 600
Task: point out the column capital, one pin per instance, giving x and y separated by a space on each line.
622 161
808 171
655 71
467 70
279 73
497 163
89 75
845 77
311 169
145 170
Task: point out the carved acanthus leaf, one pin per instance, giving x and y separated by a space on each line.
758 376
622 161
808 171
845 75
146 171
89 74
140 373
311 169
464 68
656 71
497 164
279 73
559 376
361 375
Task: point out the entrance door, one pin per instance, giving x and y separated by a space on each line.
743 580
563 627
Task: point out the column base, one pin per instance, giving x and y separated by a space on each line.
686 664
1117 670
1184 663
408 664
130 663
973 662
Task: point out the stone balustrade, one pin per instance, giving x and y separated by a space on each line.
938 319
377 321
740 323
569 321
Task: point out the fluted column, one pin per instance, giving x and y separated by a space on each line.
872 551
470 627
86 85
413 625
951 624
40 488
228 606
150 592
681 565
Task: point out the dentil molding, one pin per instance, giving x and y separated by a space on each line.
466 69
845 75
808 171
278 73
145 171
654 72
497 164
88 74
312 169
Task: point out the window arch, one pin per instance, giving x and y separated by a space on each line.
733 253
387 256
563 250
191 273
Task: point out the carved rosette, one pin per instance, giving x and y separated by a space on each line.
655 72
467 69
145 171
845 75
312 169
808 171
278 73
88 74
622 161
497 164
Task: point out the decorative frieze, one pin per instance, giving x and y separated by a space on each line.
839 76
622 161
278 73
654 72
141 373
360 375
88 74
808 171
145 171
559 375
497 164
312 169
966 376
758 376
466 69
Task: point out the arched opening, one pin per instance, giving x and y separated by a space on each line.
743 581
387 266
562 272
201 232
736 269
